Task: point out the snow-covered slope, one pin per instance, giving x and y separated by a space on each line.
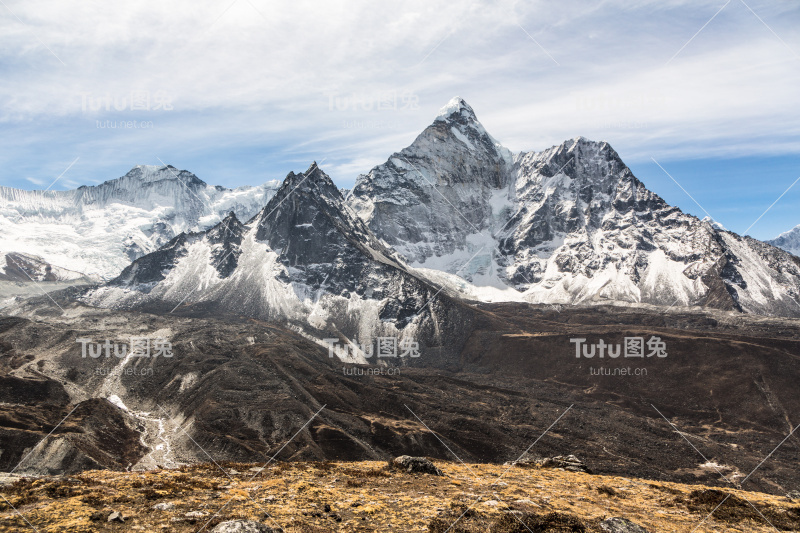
570 224
788 240
99 230
305 259
21 267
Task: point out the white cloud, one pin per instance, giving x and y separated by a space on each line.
263 74
36 181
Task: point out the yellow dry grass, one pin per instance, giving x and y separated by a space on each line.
358 496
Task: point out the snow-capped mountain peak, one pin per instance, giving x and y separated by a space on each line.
98 230
427 198
568 224
459 106
313 179
788 240
153 173
713 223
462 123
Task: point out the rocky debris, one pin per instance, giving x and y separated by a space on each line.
164 506
621 525
242 526
415 465
793 495
115 516
524 503
569 463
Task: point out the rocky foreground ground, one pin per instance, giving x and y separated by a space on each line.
313 497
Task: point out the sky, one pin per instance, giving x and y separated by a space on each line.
700 98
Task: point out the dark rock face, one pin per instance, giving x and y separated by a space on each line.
443 182
226 241
150 269
321 241
415 465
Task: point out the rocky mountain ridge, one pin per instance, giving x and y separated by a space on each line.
305 260
98 230
570 224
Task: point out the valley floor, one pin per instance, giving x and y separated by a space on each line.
366 496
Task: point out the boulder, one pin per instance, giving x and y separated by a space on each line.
567 462
415 465
164 506
621 525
